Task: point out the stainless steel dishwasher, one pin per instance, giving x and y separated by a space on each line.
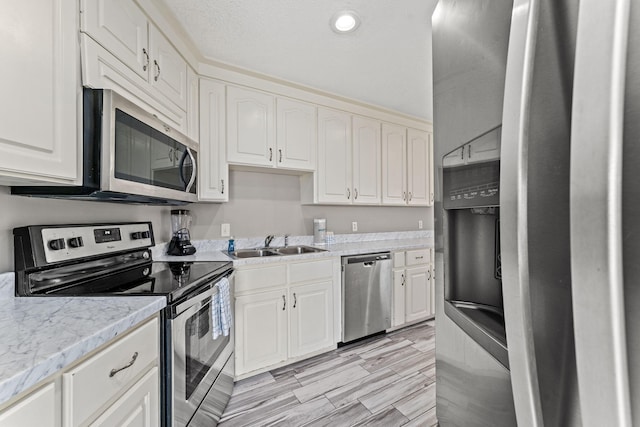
366 295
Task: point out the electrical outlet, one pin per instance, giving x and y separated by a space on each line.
225 230
419 224
354 226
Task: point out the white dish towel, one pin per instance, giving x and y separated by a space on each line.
221 309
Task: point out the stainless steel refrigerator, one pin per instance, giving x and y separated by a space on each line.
536 127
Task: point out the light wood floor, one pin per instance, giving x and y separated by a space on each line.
387 380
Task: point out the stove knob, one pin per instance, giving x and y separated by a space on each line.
56 244
75 242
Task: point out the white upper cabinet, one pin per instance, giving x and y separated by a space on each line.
366 161
484 148
250 127
40 89
419 169
124 51
213 174
120 26
394 167
334 157
407 166
168 69
296 135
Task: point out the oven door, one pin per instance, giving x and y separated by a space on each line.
197 357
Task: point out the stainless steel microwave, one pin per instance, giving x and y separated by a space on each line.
128 156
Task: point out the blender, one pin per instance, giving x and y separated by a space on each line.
180 243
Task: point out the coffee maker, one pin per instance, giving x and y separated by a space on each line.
180 243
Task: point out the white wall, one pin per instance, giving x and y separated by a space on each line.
260 204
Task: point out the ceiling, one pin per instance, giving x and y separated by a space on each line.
386 61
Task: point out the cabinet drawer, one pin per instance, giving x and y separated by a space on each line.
420 256
90 385
310 271
253 279
398 259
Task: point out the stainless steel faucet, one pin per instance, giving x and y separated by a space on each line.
267 240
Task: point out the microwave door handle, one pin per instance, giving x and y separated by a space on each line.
191 181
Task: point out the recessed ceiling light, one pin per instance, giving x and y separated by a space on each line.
345 22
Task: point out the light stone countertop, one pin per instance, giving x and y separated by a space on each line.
42 335
351 244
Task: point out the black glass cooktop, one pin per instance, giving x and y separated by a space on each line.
171 279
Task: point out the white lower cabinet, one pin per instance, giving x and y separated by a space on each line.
284 312
37 409
138 407
413 286
116 386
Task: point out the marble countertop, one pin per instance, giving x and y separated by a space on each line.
214 250
43 335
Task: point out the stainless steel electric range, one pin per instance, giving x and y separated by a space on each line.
115 259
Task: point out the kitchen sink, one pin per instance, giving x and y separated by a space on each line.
275 251
297 250
253 253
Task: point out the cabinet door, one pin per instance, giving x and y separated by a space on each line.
394 165
367 163
261 330
119 26
454 158
193 105
310 318
37 409
399 284
213 175
40 89
334 157
168 69
138 407
419 174
417 293
296 135
250 127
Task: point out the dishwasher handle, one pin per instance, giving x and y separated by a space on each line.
368 258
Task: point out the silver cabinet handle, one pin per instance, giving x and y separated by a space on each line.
420 257
146 59
295 300
284 301
155 63
355 193
270 154
176 155
404 195
469 151
128 365
429 278
280 151
410 195
222 190
462 154
348 193
431 197
403 281
170 154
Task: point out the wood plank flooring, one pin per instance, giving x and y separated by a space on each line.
387 380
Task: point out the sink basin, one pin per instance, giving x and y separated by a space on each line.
288 250
253 253
297 250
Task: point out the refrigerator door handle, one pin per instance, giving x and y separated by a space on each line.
596 213
513 213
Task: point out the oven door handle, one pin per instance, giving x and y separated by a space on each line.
199 300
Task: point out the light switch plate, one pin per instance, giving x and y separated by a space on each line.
354 226
419 224
225 230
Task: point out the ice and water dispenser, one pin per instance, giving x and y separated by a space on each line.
473 271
